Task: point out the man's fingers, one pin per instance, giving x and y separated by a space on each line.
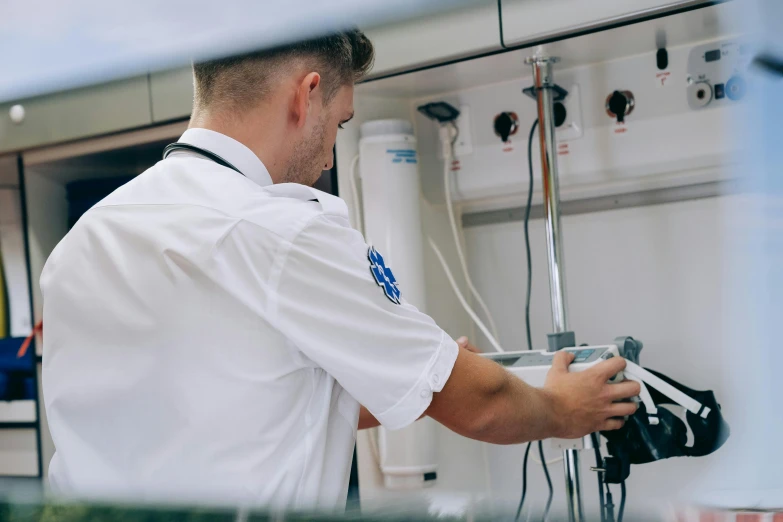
624 390
612 424
463 342
608 369
561 360
623 409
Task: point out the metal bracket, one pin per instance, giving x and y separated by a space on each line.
558 93
629 347
560 340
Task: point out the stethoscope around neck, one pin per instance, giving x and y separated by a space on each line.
173 147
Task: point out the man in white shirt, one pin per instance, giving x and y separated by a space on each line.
214 331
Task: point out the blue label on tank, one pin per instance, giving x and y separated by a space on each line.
400 155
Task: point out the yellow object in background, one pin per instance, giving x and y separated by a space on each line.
3 303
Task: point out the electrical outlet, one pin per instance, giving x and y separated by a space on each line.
572 127
464 145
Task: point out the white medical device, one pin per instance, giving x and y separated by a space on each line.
532 366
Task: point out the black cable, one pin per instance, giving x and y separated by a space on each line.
527 235
548 481
609 505
622 501
524 482
598 463
527 305
527 325
454 140
527 297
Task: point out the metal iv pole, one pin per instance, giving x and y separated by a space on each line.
543 84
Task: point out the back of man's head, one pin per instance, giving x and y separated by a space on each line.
241 82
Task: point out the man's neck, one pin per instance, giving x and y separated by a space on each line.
264 143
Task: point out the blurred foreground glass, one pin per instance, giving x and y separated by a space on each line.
52 46
751 475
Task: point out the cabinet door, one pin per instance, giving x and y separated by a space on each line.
398 47
76 114
531 20
172 94
436 38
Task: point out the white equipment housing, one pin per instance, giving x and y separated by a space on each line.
643 202
532 366
388 165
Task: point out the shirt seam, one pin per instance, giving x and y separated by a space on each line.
238 218
308 437
277 268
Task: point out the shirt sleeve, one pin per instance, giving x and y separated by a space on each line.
390 357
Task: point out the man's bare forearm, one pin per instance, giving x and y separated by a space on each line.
485 402
520 413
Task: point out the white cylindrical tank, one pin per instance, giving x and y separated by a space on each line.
388 166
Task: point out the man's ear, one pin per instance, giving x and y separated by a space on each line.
307 94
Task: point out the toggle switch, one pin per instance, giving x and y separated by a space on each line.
506 124
560 113
620 104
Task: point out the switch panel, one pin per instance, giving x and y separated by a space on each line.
464 145
716 74
572 127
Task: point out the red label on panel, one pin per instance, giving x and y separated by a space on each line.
662 77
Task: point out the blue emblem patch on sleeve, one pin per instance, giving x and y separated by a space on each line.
383 276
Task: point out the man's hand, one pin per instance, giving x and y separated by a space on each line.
483 401
584 402
464 343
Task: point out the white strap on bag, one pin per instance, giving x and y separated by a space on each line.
636 373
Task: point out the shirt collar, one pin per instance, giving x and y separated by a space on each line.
230 150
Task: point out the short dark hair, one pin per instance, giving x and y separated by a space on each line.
242 81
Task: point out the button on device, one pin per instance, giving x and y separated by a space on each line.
712 56
583 355
735 88
720 91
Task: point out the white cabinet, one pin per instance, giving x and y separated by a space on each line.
76 114
399 47
172 94
526 21
436 38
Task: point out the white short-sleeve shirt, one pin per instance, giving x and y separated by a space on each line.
209 336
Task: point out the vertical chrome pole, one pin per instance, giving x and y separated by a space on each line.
543 83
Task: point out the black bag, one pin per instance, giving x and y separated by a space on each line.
639 442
